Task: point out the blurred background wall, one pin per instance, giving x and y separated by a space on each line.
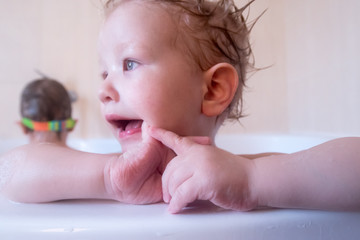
309 51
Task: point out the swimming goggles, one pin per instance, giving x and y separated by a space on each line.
54 125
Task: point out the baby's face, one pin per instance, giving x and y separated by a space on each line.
146 76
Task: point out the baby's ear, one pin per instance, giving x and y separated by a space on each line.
220 85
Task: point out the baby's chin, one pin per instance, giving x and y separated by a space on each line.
131 142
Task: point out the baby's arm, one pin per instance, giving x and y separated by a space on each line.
323 177
46 172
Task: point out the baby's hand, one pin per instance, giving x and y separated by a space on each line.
135 176
204 172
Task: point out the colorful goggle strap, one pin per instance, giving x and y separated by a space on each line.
54 125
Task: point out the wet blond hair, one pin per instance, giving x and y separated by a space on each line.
212 31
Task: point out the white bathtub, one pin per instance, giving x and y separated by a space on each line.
92 219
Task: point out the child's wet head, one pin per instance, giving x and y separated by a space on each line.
45 101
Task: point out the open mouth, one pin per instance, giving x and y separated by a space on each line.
128 126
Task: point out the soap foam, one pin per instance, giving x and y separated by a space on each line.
7 166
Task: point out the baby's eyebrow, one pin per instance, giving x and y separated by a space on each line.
136 51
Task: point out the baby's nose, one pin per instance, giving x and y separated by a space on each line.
107 92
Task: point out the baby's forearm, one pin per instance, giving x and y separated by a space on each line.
324 177
45 172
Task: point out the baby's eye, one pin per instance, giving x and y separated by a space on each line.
130 65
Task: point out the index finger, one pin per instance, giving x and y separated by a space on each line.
171 140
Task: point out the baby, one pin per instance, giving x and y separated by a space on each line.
173 71
45 109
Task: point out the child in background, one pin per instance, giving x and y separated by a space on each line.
45 109
181 66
